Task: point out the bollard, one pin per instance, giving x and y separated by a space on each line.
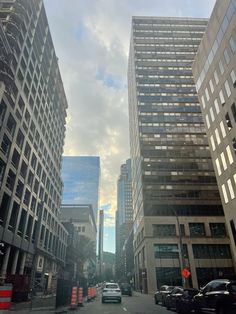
80 297
5 297
73 304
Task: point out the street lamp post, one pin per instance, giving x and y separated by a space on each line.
181 255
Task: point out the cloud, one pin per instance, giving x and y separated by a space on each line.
91 39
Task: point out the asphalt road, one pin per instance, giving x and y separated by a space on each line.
137 304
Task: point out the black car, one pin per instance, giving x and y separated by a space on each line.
126 289
185 303
171 298
218 296
160 295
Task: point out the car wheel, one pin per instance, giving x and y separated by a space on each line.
156 302
103 300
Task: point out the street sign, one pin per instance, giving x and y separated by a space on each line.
185 273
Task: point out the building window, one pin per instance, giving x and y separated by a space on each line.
6 145
228 121
222 129
218 229
211 251
232 44
207 94
11 125
4 207
164 230
211 86
226 199
229 154
216 77
203 102
233 108
221 67
218 167
226 55
213 143
217 136
222 98
234 144
197 229
231 190
227 88
233 77
207 121
216 106
222 155
166 251
212 115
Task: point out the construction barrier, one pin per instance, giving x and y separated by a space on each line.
80 296
73 304
5 297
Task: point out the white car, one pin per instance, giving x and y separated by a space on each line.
111 291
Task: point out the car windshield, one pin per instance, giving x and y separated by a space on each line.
112 286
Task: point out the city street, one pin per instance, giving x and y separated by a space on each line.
137 304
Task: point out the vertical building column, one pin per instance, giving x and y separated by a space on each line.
192 266
22 263
14 264
5 262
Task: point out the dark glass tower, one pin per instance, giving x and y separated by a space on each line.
175 196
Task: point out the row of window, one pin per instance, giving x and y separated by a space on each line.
195 230
232 43
230 191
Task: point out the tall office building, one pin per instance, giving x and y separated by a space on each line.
124 215
81 177
178 216
100 241
214 71
32 130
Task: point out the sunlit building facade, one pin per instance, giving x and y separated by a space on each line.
32 130
124 215
214 71
178 215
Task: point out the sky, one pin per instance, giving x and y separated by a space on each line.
91 39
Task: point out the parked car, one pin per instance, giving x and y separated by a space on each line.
126 289
161 294
171 298
111 292
218 296
185 304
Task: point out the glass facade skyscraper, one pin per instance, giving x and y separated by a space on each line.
175 196
81 178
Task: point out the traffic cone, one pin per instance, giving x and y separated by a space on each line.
73 303
80 296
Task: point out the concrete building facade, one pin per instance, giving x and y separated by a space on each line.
178 215
214 71
32 130
124 215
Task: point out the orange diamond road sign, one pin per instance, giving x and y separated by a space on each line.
185 273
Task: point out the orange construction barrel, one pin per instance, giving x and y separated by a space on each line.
5 297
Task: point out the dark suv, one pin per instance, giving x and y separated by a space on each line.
126 289
218 296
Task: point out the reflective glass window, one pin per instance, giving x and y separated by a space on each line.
233 77
216 106
212 114
211 86
227 88
203 102
216 77
231 190
222 127
226 199
232 44
222 98
221 67
229 154
217 136
226 55
218 167
222 156
207 121
213 143
207 94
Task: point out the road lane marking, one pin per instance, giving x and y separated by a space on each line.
124 309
